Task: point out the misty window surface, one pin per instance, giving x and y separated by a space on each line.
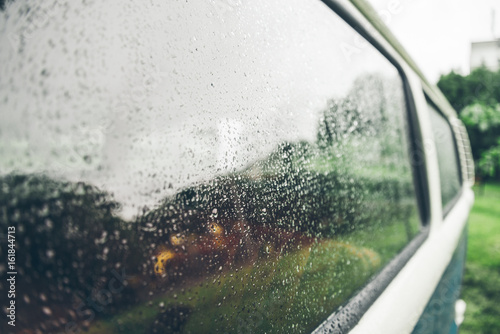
449 172
197 167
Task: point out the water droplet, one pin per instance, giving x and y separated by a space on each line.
50 253
47 310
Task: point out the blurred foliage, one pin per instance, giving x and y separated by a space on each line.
490 161
298 188
482 116
476 98
481 85
68 242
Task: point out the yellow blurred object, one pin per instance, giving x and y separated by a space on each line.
215 229
177 240
161 260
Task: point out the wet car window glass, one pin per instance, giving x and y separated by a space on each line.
449 172
224 166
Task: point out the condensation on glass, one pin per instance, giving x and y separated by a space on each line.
211 166
449 172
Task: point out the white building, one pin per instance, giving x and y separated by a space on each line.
485 53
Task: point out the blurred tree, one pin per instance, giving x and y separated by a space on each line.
489 164
453 87
476 98
68 240
481 85
483 125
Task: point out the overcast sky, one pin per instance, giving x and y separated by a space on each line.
438 33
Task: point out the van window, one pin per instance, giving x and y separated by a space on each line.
449 172
201 166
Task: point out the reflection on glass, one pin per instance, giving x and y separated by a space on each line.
449 172
236 171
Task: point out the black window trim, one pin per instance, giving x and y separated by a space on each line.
348 315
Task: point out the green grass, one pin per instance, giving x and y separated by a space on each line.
481 287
